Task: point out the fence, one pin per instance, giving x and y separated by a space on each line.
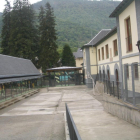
14 89
113 88
130 91
65 78
74 135
132 83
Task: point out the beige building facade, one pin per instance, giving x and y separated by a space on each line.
78 58
108 52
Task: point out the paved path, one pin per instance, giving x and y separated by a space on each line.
33 119
41 117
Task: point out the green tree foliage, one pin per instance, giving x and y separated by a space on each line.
23 36
0 50
67 56
49 55
0 22
78 21
6 29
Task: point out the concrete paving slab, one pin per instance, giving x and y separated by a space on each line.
43 116
39 127
99 125
44 103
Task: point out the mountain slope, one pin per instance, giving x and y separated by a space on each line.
78 21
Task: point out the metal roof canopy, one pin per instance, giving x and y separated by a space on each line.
78 54
65 68
13 69
17 79
14 66
97 38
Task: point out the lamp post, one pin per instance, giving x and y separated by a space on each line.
138 44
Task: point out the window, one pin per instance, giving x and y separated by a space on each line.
136 74
115 47
102 53
99 54
128 35
107 51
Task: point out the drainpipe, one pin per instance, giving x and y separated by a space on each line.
96 61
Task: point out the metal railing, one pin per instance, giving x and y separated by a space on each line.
132 84
74 134
13 89
113 88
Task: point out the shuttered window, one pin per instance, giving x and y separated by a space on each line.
115 47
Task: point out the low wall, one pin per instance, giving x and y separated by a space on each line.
121 109
99 87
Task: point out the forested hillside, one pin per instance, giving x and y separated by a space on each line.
78 21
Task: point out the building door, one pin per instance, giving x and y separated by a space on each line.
117 76
103 75
100 76
108 74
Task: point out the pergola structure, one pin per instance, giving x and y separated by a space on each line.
65 76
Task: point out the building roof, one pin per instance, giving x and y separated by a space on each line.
98 37
121 7
16 67
64 68
78 54
9 80
112 32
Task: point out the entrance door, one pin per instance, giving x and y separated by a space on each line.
117 76
103 75
108 74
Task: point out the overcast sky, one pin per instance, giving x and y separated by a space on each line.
2 3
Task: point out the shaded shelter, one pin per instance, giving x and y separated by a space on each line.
65 76
17 76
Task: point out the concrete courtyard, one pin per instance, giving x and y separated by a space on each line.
41 117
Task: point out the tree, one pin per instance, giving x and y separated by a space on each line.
5 48
49 55
67 56
23 37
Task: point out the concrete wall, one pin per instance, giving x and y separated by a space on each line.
79 61
121 110
111 58
111 67
111 63
130 11
86 58
93 60
84 61
137 4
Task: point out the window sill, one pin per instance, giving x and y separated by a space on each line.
129 51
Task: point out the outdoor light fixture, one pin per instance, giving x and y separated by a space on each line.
138 44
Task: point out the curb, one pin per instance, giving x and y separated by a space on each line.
66 128
17 99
